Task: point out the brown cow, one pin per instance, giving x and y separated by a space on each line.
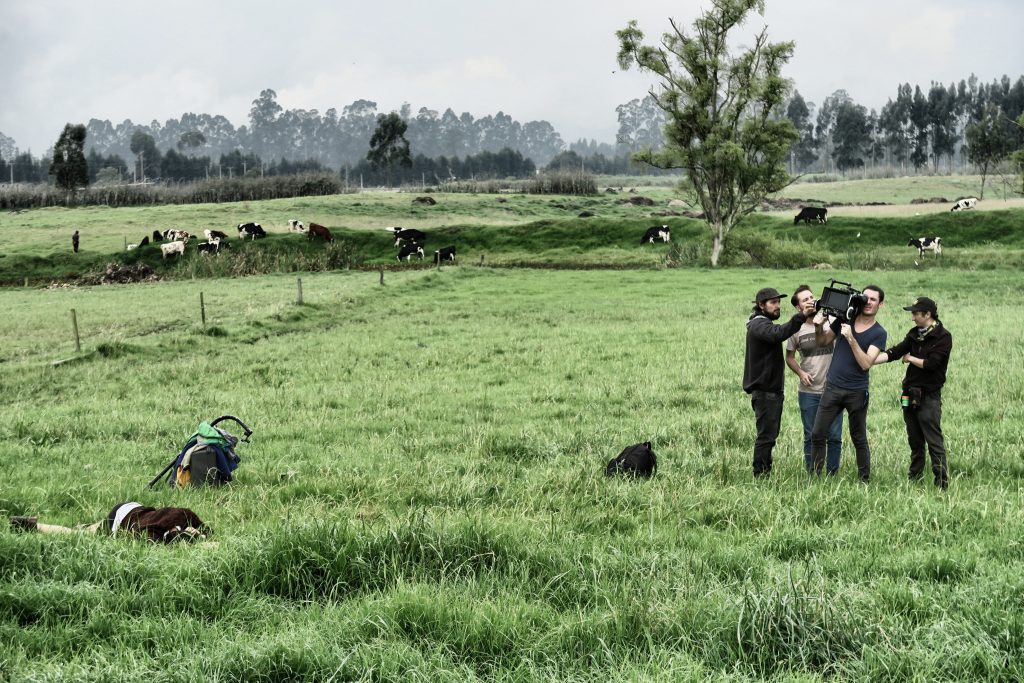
317 230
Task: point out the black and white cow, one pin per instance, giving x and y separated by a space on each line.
212 235
251 231
445 254
810 214
295 225
658 232
408 235
924 244
157 236
211 247
965 203
410 250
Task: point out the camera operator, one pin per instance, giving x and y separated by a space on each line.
846 385
925 350
763 371
811 369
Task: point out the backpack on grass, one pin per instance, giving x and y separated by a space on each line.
207 459
637 460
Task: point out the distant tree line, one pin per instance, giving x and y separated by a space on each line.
918 131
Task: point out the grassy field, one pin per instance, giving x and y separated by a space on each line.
423 496
510 230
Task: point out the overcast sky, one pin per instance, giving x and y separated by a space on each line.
68 61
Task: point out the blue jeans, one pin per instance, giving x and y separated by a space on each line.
808 410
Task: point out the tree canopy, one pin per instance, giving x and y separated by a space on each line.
388 145
69 168
720 126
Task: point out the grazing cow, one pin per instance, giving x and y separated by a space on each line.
317 230
177 235
212 235
409 250
144 242
809 214
658 232
445 254
172 248
296 226
251 230
965 203
209 247
157 236
408 235
924 244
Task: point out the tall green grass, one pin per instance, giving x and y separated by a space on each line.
424 495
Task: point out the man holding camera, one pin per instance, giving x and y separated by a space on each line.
925 350
763 371
846 385
811 369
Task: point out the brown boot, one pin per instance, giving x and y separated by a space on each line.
24 523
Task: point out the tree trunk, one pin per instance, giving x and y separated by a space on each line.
717 244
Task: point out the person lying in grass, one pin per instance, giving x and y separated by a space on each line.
159 525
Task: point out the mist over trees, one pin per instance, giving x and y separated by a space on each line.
919 130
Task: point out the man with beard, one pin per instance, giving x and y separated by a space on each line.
764 372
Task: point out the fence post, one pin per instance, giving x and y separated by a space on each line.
202 309
125 242
481 260
74 326
299 299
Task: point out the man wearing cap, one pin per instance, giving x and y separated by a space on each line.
925 350
764 371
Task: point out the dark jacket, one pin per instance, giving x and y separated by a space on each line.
763 365
933 348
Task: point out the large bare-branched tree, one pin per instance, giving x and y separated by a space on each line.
722 125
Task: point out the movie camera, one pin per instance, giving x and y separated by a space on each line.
841 300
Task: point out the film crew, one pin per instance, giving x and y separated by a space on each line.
159 525
846 384
925 350
764 371
815 360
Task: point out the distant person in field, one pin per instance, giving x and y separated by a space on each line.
764 371
925 350
846 384
814 362
159 525
74 241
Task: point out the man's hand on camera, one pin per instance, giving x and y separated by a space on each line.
819 318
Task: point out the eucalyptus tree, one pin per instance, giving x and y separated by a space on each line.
720 108
69 168
987 141
388 145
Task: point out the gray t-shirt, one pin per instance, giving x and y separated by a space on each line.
814 359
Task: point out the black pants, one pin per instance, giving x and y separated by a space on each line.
767 407
924 426
855 402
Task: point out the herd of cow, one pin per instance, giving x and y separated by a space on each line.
811 214
410 241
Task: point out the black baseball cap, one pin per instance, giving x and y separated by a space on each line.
922 305
767 294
